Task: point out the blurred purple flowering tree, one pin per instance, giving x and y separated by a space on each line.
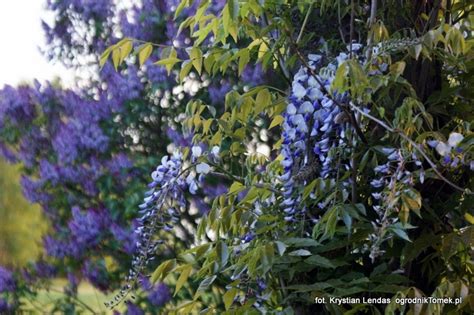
86 151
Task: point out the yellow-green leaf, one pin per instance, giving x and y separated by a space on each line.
206 125
125 49
181 6
469 218
183 277
185 68
263 99
162 271
235 188
144 53
276 121
229 298
397 68
168 63
105 56
243 59
196 58
116 58
226 20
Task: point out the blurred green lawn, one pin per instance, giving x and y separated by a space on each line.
21 223
87 294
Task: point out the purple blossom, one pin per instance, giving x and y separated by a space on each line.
97 274
7 282
73 283
55 248
32 190
8 154
310 118
178 138
159 295
248 237
65 144
44 270
119 163
48 171
253 75
15 105
86 227
133 309
126 237
218 91
5 308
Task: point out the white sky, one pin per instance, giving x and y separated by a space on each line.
21 35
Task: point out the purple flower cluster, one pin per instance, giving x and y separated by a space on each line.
133 309
7 281
161 206
311 131
158 294
86 227
96 273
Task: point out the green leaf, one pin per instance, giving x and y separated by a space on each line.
105 56
300 242
196 58
235 188
412 200
185 68
183 277
281 247
398 68
276 121
308 189
263 99
168 61
229 298
162 271
243 59
116 58
340 79
181 6
251 195
144 52
204 285
320 261
125 46
300 252
222 253
401 233
226 19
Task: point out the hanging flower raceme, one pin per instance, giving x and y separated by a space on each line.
313 131
163 204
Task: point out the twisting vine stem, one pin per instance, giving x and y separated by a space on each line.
373 13
305 21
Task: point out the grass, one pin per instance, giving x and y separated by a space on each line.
91 298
